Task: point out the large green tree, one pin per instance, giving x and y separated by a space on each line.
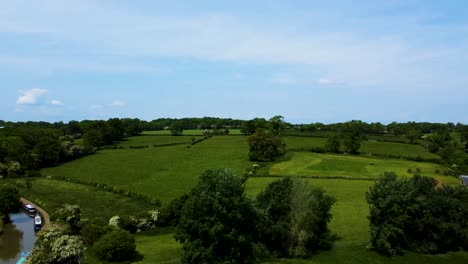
264 146
9 199
218 223
296 218
413 214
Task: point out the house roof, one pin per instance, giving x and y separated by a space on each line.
464 179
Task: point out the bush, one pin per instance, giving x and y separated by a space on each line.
171 213
412 214
264 146
118 245
93 231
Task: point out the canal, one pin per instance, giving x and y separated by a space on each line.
17 237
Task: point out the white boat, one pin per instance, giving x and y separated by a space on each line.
37 222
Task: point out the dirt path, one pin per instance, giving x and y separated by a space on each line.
43 213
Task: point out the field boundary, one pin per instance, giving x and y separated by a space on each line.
107 188
317 177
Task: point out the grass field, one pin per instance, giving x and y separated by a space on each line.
163 173
314 164
189 132
94 203
152 140
167 172
304 142
400 149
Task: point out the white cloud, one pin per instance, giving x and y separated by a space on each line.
30 96
325 81
118 103
56 102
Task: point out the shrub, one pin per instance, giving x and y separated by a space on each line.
118 245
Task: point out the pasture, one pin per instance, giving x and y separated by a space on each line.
329 165
189 132
169 171
155 141
161 173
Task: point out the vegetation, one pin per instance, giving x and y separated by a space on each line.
346 166
56 244
9 200
265 146
117 245
166 168
296 218
412 214
218 221
160 173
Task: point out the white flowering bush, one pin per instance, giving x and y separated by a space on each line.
114 221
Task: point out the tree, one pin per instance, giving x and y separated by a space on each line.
9 200
333 143
412 214
412 135
176 129
70 214
264 146
352 133
118 245
296 218
251 126
277 125
55 245
218 223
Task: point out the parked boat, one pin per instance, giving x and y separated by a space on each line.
37 222
22 258
30 210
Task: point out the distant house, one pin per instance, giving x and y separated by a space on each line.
464 180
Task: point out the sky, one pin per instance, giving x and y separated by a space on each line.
309 61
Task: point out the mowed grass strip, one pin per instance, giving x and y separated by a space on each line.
94 203
158 248
162 173
330 165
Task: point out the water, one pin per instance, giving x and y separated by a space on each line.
17 237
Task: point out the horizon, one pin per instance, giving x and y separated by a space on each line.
328 62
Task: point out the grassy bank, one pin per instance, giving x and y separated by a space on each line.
94 203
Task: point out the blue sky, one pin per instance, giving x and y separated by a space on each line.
310 61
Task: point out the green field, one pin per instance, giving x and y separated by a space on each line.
152 140
189 132
167 172
162 173
329 165
396 149
94 203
